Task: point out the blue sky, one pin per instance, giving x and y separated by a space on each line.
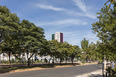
72 17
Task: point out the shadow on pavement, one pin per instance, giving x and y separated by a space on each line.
8 68
95 75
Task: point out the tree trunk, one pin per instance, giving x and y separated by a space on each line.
9 57
66 61
53 61
60 61
50 60
28 62
29 59
32 60
72 60
90 60
0 58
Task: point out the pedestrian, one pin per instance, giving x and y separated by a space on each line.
46 60
113 64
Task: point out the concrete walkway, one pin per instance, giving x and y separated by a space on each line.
97 73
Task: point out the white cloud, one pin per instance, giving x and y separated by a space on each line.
90 15
75 37
73 13
64 22
91 37
49 7
80 4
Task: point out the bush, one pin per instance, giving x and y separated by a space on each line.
38 61
110 72
4 61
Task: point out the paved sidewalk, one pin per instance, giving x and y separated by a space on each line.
97 73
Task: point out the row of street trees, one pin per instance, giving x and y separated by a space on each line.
65 51
20 37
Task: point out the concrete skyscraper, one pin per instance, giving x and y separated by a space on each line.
58 36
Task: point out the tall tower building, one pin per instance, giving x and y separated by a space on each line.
58 36
61 37
53 37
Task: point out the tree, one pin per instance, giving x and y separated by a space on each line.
17 37
54 46
65 50
45 49
84 46
74 50
106 28
32 39
92 52
9 23
60 52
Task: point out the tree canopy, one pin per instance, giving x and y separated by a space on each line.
106 28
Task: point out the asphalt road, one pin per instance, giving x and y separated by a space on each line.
55 72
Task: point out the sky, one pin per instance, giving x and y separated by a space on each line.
74 18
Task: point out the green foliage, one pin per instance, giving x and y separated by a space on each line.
63 51
111 72
33 38
89 51
38 61
106 30
9 23
84 46
19 37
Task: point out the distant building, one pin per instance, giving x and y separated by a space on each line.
58 36
53 36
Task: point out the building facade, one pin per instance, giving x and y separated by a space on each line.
58 36
4 57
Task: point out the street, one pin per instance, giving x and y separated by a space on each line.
56 72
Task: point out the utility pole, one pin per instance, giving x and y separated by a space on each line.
103 65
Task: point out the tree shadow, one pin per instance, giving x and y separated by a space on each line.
97 75
8 68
